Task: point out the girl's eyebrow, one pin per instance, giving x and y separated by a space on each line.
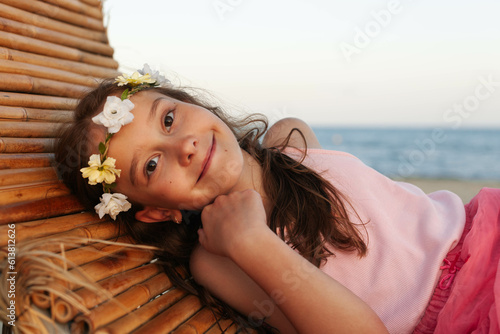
154 107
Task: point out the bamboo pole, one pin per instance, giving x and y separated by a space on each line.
41 300
95 251
30 192
102 230
80 251
60 38
64 311
199 323
168 320
35 115
143 314
36 101
97 270
20 15
31 129
79 7
45 208
28 84
44 298
9 177
9 161
15 67
33 45
121 304
35 229
116 263
95 3
57 63
57 13
26 145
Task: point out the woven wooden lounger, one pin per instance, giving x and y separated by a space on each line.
51 52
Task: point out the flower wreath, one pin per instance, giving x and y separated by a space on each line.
116 113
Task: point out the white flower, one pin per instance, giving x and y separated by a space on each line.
112 204
98 173
155 75
116 113
133 80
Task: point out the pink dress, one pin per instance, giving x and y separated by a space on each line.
404 277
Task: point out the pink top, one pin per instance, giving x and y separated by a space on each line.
409 235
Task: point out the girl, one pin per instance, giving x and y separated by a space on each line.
307 240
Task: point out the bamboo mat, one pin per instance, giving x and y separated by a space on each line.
67 276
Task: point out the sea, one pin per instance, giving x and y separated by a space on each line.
437 153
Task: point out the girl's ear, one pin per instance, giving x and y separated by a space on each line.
155 215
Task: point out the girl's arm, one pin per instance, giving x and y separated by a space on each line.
312 301
226 281
280 130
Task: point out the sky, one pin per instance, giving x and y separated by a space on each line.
331 63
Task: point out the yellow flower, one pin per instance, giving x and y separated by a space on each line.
97 172
133 80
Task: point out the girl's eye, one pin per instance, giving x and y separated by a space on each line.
168 120
151 166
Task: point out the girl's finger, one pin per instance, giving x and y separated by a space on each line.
201 236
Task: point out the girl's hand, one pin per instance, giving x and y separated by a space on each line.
260 264
231 219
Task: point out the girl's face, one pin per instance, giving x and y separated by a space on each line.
174 155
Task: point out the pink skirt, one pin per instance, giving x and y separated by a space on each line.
467 297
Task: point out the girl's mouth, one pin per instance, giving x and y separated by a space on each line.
208 159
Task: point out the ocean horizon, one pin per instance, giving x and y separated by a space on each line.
423 152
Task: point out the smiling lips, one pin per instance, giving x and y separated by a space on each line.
208 159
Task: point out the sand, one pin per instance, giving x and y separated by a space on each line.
466 189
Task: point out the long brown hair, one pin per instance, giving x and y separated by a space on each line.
308 208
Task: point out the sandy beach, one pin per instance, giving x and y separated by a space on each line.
466 189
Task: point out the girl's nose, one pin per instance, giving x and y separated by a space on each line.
188 147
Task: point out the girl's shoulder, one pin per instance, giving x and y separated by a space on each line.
321 151
317 153
280 130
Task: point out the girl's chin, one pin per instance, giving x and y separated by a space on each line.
195 205
206 201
